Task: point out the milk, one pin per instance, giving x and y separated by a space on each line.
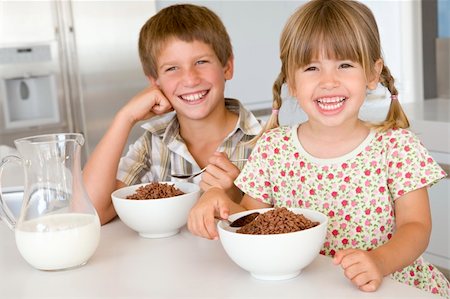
58 241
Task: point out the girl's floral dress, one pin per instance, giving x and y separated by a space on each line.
357 191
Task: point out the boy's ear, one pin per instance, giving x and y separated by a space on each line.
375 78
153 81
228 69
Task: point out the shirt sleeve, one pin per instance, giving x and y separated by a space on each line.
136 163
254 179
410 165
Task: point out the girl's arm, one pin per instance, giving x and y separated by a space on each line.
366 269
216 203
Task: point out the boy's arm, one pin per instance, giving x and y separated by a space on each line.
99 173
413 228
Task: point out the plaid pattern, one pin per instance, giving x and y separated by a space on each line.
161 150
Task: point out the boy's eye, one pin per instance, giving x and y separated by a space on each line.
170 69
202 62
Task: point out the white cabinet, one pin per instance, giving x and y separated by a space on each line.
438 251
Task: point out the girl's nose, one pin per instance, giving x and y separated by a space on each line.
329 80
191 77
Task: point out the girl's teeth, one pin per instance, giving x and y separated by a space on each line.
330 103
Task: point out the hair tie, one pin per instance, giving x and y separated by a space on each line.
275 111
394 97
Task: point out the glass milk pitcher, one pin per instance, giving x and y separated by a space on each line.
58 227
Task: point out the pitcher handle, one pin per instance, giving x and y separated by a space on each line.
6 215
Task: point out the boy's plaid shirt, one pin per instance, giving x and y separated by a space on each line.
161 150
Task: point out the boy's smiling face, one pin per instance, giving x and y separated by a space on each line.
192 78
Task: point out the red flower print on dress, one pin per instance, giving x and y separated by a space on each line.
334 194
358 190
335 232
276 150
261 172
367 172
399 165
331 213
378 171
378 210
367 211
401 192
252 184
264 155
293 192
408 175
283 173
312 192
302 179
296 155
411 273
344 165
302 164
267 183
358 229
382 189
407 148
330 176
275 189
300 202
286 138
344 203
265 196
347 179
347 218
332 252
319 176
345 241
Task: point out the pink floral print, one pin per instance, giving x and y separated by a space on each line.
356 191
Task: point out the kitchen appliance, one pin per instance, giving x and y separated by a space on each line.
68 66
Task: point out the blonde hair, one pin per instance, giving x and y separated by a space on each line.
188 23
339 29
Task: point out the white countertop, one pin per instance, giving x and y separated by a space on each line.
183 266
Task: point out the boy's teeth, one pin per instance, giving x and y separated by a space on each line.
193 96
330 103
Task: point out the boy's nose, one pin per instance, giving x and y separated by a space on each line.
191 77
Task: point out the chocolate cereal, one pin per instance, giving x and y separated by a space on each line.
277 221
155 191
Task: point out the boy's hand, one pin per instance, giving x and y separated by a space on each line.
149 102
201 217
360 267
221 173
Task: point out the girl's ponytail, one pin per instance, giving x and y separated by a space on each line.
395 117
276 105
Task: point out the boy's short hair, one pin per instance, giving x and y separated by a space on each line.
188 23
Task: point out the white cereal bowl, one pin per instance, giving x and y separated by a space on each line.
156 218
278 256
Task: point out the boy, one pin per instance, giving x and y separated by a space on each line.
187 56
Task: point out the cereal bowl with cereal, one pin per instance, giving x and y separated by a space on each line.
278 244
155 210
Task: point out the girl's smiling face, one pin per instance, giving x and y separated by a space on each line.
192 78
331 91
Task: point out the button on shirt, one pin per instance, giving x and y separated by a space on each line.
161 150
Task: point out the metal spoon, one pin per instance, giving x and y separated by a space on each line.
187 176
246 219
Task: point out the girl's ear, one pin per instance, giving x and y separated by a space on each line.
375 78
228 69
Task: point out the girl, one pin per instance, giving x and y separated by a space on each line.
371 180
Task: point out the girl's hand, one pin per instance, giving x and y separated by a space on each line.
201 217
149 102
361 267
221 173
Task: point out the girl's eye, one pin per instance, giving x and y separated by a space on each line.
310 68
202 62
345 66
